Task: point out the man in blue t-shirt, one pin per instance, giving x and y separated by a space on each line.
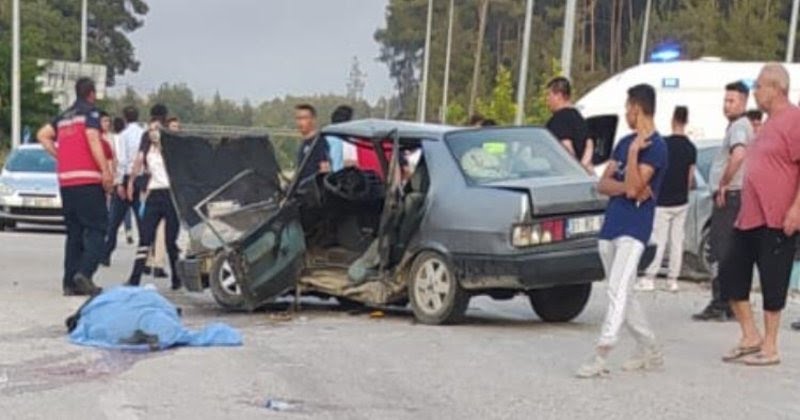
632 180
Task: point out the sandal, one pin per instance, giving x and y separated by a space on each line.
760 359
738 352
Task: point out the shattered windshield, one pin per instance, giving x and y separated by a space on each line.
491 155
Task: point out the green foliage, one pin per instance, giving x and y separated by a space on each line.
501 106
456 114
606 41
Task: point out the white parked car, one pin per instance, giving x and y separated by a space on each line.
29 188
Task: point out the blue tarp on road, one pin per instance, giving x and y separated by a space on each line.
111 319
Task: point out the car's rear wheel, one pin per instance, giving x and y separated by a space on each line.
560 304
223 284
434 292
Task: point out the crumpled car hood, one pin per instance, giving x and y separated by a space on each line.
199 165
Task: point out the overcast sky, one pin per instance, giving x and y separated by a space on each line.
259 49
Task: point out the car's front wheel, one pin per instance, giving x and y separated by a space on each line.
434 292
7 224
223 284
561 303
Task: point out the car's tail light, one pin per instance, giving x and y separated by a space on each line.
532 234
554 230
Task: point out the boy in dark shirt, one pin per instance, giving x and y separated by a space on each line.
305 117
567 124
632 180
673 203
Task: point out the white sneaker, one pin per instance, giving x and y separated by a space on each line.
645 285
672 286
644 359
593 368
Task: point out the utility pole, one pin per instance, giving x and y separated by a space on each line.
646 28
523 68
792 32
446 85
569 37
16 116
423 93
84 29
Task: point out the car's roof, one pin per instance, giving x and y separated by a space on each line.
377 128
707 143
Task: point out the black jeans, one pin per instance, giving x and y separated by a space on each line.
158 206
117 212
721 236
86 220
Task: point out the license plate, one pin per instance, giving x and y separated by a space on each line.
39 202
584 225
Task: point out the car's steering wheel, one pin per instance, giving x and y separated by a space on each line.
352 184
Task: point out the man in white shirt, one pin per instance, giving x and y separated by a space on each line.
128 148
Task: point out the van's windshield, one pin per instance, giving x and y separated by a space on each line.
490 155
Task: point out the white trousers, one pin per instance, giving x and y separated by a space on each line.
670 226
620 259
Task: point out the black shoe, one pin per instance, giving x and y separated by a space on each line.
796 325
711 313
147 270
159 273
85 285
129 239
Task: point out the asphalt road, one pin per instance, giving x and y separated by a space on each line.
325 363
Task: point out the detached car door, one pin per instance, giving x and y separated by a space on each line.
229 188
268 262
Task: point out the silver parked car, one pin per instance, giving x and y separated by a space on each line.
29 188
697 257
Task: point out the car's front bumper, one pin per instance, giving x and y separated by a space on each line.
576 262
17 209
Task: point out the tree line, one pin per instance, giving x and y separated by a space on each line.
183 103
487 40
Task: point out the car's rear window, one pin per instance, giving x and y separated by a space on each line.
30 160
490 155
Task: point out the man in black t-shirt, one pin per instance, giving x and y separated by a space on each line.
672 203
305 117
567 124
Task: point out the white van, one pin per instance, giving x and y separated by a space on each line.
698 85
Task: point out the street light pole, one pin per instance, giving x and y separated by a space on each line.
523 68
84 24
645 30
423 93
569 37
446 84
16 112
792 32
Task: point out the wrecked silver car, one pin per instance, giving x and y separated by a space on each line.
430 215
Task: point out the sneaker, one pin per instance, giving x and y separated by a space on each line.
796 325
711 313
593 368
672 286
644 359
645 285
85 285
159 273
